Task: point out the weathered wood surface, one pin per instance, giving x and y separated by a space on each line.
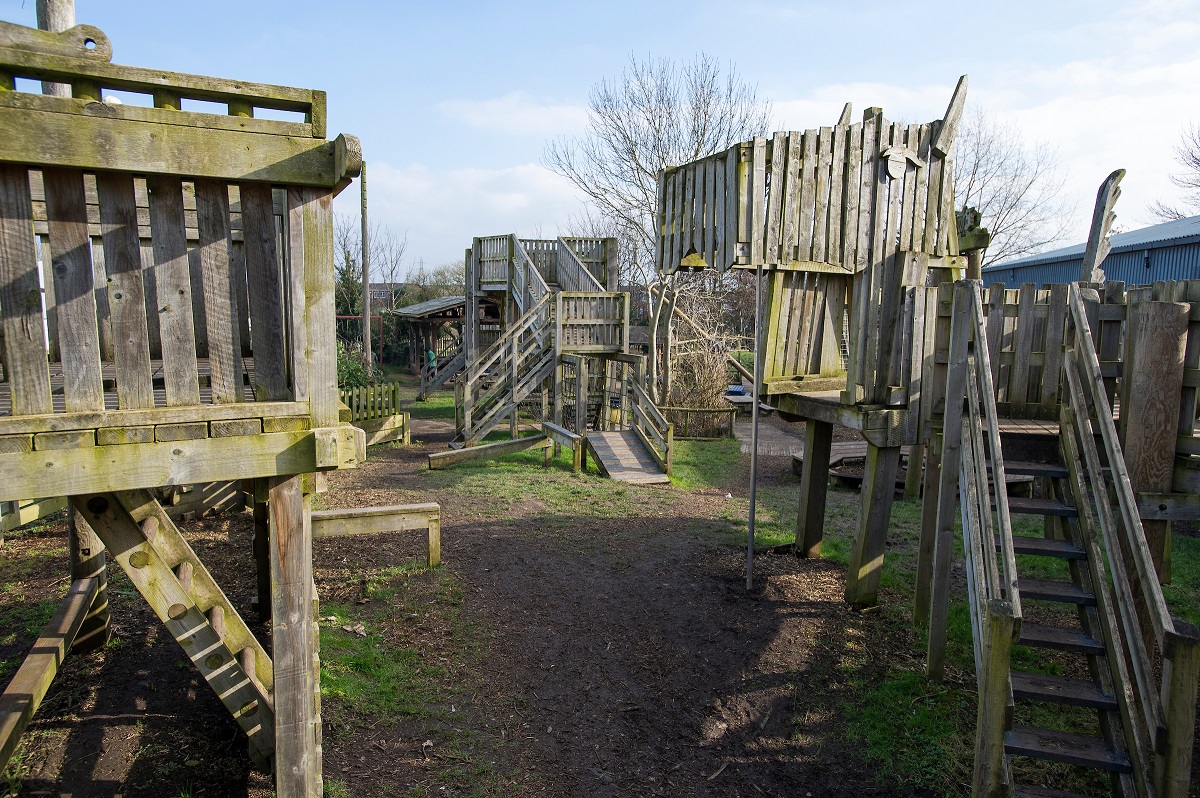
486 451
373 520
622 456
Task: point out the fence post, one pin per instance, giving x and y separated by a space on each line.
989 775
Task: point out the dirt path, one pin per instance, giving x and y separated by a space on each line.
585 653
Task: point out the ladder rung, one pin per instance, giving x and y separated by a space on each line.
183 572
216 619
1043 547
1024 506
1061 690
1053 590
1072 749
1060 639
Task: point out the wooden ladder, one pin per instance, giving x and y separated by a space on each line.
1089 639
135 528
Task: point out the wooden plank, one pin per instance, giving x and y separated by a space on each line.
990 776
721 259
172 279
775 198
821 207
710 201
99 468
373 520
266 294
126 297
866 558
757 194
934 198
921 196
1056 322
62 422
810 517
1019 381
1190 292
908 202
837 179
32 680
80 141
791 194
220 309
25 365
439 460
807 197
74 289
732 203
688 216
852 192
943 142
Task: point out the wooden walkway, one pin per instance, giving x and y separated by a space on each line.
622 456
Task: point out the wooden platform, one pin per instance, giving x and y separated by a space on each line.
622 456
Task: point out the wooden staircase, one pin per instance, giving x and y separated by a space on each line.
135 528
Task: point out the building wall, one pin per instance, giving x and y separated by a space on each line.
1134 267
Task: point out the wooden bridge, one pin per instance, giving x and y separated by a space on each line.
546 324
188 337
853 227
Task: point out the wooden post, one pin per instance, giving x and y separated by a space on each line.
262 553
912 476
989 780
366 268
581 397
925 548
56 16
1174 767
294 630
814 480
87 560
1155 341
866 559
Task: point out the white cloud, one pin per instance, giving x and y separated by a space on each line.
442 210
517 113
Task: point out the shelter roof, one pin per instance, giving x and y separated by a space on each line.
446 307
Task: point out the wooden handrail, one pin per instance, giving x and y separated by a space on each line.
572 274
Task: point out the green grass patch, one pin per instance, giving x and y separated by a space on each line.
701 465
1183 593
438 407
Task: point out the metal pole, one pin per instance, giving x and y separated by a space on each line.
366 270
754 424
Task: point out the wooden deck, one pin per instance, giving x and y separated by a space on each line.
622 456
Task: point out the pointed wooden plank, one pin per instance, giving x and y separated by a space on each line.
688 210
934 196
126 297
775 198
294 234
74 283
311 211
791 194
880 246
757 188
837 178
824 176
947 227
172 278
1103 216
852 193
266 294
1056 321
912 140
25 363
808 197
220 312
943 141
678 247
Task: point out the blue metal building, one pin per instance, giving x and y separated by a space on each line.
1167 251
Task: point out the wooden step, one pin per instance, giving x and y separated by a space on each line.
1023 506
1071 749
1028 791
1032 469
1053 590
1043 547
1060 639
1061 690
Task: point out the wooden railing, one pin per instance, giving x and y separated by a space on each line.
369 402
598 256
652 427
572 274
593 321
972 436
1158 712
712 422
494 258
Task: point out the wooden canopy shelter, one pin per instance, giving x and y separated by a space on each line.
132 217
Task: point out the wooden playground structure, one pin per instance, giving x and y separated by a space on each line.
187 260
1089 388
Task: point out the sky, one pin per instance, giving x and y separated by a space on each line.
455 102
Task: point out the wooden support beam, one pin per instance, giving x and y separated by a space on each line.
28 686
88 562
486 451
866 558
814 480
564 437
925 547
373 520
294 639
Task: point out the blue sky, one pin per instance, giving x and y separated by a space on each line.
454 102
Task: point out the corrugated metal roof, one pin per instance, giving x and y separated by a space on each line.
1168 234
430 306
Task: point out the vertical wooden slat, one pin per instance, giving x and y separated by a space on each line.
878 265
921 195
821 200
74 283
266 294
791 194
720 238
934 197
126 297
49 304
1056 320
710 201
297 306
315 209
689 216
220 312
995 331
837 178
1019 382
912 141
852 191
172 278
732 202
659 240
797 324
757 193
775 198
677 193
25 364
947 226
808 194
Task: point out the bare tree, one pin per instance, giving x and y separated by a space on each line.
449 279
658 113
387 249
1016 187
1187 155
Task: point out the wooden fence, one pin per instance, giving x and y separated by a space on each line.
701 423
370 402
593 321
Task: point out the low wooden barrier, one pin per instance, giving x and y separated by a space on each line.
707 427
16 514
487 451
375 409
373 520
564 437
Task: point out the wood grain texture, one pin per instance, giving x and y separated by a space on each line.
172 280
74 283
220 309
25 354
266 293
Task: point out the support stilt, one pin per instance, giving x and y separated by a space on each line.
866 560
814 481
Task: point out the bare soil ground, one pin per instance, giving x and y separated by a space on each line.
580 653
